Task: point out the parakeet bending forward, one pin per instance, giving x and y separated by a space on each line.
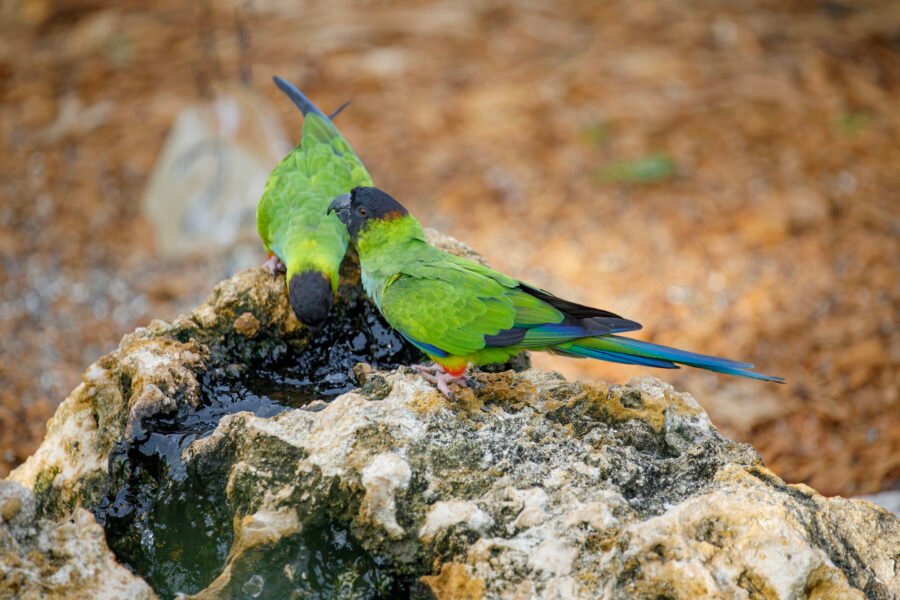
459 312
291 216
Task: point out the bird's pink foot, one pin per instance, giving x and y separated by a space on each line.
433 369
442 379
274 265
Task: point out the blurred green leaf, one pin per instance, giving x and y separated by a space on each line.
597 134
853 122
649 169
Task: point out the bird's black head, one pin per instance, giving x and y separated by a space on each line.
364 205
310 296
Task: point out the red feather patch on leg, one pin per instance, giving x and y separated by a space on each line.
444 375
455 371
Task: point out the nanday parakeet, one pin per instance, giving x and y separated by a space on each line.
459 312
291 216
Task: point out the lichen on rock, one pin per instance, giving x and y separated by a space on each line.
40 558
233 453
552 496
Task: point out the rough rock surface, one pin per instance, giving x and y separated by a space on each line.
68 558
528 486
557 489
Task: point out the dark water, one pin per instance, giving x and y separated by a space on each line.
173 526
322 563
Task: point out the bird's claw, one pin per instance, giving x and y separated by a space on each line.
436 375
474 384
428 369
274 265
444 388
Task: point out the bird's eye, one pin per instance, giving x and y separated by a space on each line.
363 212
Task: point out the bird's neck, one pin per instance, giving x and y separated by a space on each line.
384 247
386 238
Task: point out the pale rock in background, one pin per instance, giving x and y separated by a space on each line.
203 192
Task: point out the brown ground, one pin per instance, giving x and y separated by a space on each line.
726 174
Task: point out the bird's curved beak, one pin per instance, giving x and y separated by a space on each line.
340 205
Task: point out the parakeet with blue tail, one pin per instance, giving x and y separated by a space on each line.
291 218
459 312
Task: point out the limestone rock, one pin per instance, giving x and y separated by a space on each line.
570 490
217 468
206 183
40 558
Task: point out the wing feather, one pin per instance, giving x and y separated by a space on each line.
452 313
460 307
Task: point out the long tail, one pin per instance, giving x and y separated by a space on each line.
628 351
299 99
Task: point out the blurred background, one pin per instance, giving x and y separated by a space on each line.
728 174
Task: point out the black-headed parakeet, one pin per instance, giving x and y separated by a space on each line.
291 216
459 312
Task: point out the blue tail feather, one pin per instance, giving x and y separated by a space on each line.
619 349
631 346
299 99
339 110
616 357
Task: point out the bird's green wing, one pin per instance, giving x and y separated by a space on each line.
291 216
459 307
451 314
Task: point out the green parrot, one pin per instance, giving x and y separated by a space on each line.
459 312
299 236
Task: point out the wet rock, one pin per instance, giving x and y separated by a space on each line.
230 453
247 325
41 558
569 493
